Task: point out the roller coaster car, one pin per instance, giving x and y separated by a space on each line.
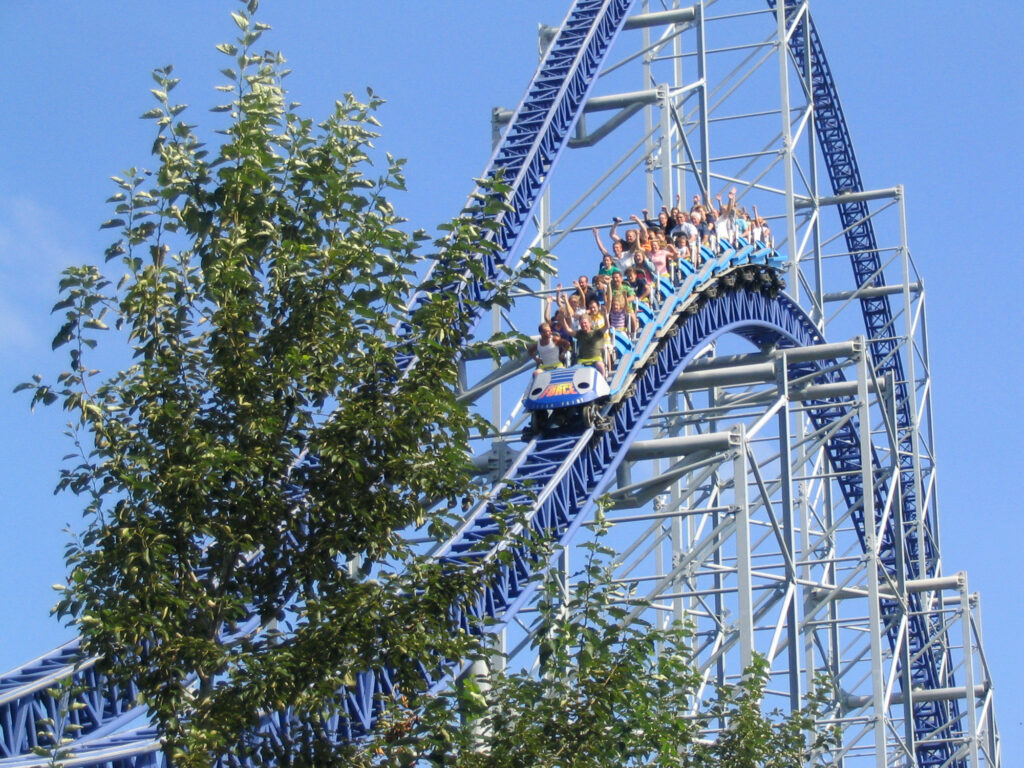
565 399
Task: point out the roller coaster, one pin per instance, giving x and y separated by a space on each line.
767 453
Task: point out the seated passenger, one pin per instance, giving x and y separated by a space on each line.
621 317
662 222
590 344
662 254
760 232
629 244
671 263
619 285
619 258
571 308
599 322
558 320
643 266
725 224
640 286
742 223
601 284
608 266
690 225
586 291
635 240
687 250
547 350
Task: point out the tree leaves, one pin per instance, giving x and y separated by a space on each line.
609 693
260 452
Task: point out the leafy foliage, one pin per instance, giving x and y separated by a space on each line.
56 730
611 691
264 448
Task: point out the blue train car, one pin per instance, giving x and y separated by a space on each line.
565 397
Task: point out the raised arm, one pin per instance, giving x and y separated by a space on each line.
720 208
640 222
731 208
546 311
600 245
580 292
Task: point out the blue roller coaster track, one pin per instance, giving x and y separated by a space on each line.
567 473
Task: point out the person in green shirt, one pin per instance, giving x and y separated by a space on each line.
590 343
621 286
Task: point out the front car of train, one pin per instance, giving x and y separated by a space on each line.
565 397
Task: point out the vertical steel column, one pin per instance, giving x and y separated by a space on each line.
479 673
805 460
717 559
676 533
665 100
677 82
645 37
811 133
744 579
496 409
871 563
787 147
924 568
788 544
803 564
968 655
702 106
992 743
904 658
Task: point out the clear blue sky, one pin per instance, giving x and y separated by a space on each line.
932 93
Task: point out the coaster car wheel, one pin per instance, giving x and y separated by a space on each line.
539 421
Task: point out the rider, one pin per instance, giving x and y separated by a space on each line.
547 350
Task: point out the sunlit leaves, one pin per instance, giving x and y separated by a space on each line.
612 691
261 450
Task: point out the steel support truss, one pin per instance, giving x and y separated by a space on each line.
695 100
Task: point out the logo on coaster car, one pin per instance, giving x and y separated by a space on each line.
557 390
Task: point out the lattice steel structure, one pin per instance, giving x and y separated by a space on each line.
772 473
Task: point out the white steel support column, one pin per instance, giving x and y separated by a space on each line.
648 113
787 145
804 466
788 544
871 542
704 172
992 743
970 699
744 579
924 568
665 101
676 538
818 306
904 660
679 178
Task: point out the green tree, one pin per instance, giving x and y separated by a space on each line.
264 448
